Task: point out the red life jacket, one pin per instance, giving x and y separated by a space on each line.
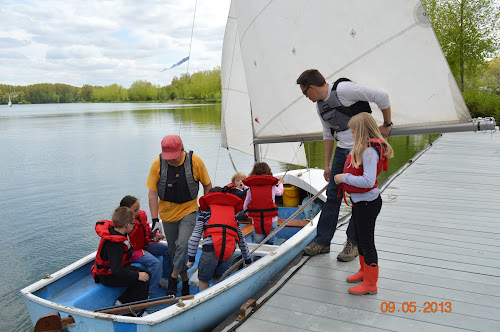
102 267
262 209
222 226
383 163
140 235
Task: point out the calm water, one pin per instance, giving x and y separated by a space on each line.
63 167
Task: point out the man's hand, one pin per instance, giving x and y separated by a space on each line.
386 131
143 276
327 173
189 265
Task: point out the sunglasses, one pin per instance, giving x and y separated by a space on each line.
305 91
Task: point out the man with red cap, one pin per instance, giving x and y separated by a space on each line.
173 184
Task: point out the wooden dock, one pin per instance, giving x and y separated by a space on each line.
438 242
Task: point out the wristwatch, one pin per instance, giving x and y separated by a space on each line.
387 124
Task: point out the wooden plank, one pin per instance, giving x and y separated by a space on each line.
294 222
308 306
256 324
247 230
424 249
401 281
418 274
366 310
306 319
399 292
431 258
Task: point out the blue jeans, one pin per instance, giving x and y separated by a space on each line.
327 223
257 238
152 263
209 266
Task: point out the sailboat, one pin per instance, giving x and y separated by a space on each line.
267 44
10 102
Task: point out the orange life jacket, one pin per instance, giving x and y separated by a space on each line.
102 267
222 225
383 163
262 208
140 235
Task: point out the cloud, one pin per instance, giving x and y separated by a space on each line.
6 42
112 41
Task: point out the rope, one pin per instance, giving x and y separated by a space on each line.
270 236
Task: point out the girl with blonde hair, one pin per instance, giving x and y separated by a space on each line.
368 157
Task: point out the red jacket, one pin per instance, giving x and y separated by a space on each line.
101 266
140 235
222 225
383 163
262 209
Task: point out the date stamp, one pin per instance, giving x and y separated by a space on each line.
411 307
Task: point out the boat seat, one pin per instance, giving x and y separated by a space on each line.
86 294
247 230
294 222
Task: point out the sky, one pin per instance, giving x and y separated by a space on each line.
110 41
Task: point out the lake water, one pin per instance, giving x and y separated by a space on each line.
65 166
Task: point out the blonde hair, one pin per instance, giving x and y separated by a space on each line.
261 169
238 176
364 127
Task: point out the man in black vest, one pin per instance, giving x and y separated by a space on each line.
173 184
336 103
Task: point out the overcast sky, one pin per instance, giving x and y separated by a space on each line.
104 42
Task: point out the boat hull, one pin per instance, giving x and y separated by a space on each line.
206 310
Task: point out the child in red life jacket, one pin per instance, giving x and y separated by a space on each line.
146 249
112 263
221 232
367 159
259 202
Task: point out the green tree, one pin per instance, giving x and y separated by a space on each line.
467 31
142 91
85 93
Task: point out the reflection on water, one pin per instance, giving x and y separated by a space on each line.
65 166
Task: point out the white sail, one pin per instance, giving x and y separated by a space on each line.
237 131
10 103
384 44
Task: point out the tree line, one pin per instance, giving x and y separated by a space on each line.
204 85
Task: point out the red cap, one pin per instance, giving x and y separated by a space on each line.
171 147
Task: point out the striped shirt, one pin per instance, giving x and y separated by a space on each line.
194 240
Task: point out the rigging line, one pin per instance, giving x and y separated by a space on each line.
189 59
382 43
190 45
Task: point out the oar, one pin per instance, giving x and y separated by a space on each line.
136 307
137 302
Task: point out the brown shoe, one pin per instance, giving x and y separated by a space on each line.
349 253
313 249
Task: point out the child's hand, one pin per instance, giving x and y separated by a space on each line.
338 178
143 276
281 180
189 265
159 236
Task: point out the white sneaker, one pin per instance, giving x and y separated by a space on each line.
118 302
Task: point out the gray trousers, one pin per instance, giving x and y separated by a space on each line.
178 234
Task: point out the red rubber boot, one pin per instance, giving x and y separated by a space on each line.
369 285
358 276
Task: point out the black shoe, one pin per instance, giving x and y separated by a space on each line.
185 288
172 286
